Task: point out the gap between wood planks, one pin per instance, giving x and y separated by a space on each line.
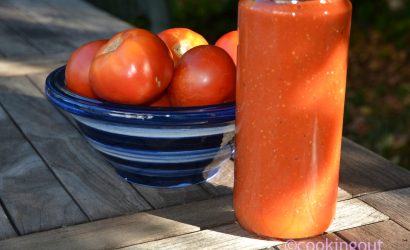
8 227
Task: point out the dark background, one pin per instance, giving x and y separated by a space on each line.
378 97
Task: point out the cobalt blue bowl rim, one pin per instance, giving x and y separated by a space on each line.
60 96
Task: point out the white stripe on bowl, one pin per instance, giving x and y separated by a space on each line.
165 172
174 157
153 132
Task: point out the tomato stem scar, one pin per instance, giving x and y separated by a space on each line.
113 45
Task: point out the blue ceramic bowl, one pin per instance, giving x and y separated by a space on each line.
159 147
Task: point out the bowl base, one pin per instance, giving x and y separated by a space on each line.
167 182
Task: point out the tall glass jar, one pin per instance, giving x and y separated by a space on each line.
292 65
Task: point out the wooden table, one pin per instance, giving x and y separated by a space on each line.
49 201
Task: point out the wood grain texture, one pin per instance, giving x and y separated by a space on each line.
354 213
363 171
35 200
6 229
130 230
229 237
90 18
165 197
90 180
214 216
350 214
29 65
319 242
395 204
38 35
157 197
12 45
388 235
71 21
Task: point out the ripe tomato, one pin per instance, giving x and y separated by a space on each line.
229 42
78 68
180 40
162 101
205 75
134 67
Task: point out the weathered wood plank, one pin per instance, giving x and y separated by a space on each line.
362 171
89 179
233 237
30 65
35 200
174 221
33 32
11 44
6 229
319 242
222 238
383 235
130 230
395 204
354 213
65 22
158 198
203 214
96 20
161 198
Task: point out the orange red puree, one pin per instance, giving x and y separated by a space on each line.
292 66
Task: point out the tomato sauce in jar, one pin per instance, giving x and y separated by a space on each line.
292 66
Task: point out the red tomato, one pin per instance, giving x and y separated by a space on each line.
229 42
205 75
180 40
134 67
162 101
78 68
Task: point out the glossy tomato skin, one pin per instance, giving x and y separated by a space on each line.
134 67
181 40
229 42
78 68
206 75
162 101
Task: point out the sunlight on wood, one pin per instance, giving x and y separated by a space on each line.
24 65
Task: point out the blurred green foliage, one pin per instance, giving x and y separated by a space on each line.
210 18
378 97
379 15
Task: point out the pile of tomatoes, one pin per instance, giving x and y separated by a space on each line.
176 68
